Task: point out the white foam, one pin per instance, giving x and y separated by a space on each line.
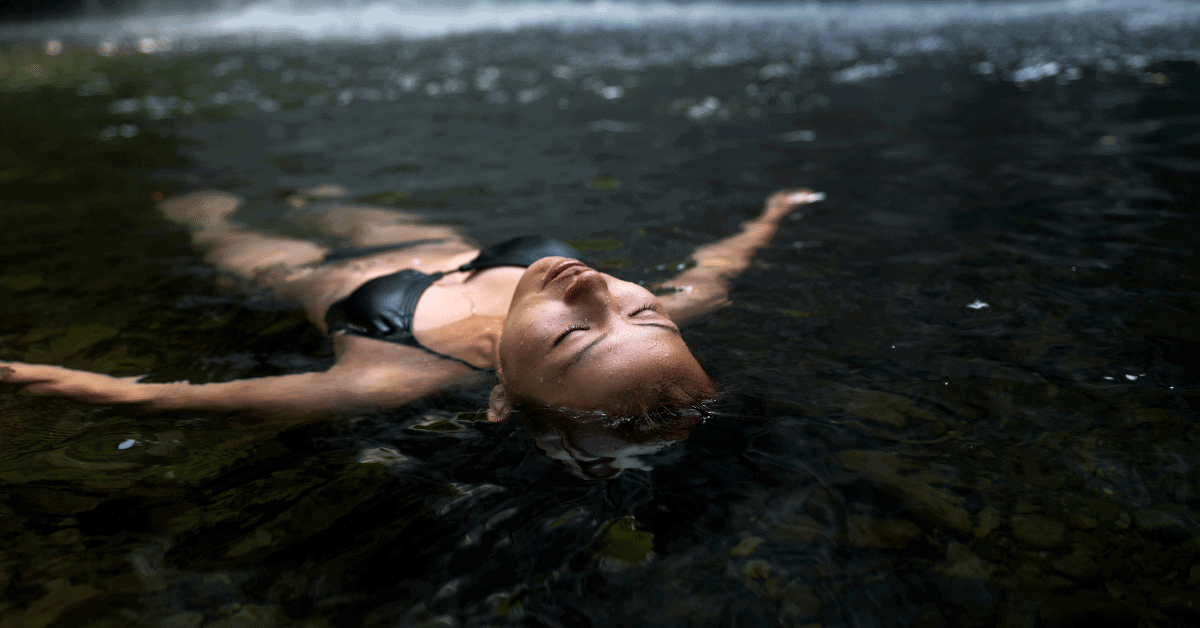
381 20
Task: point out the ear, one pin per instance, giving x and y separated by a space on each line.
498 406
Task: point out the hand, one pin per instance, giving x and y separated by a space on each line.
45 379
783 202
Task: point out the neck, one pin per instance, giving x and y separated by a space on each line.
463 314
475 340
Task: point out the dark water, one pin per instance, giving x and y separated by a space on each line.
961 391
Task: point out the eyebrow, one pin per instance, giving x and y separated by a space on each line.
579 355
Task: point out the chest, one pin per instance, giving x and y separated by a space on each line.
458 298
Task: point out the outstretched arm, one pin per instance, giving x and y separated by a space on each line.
704 287
357 381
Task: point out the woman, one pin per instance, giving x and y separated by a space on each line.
415 309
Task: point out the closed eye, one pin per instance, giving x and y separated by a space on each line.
566 333
649 307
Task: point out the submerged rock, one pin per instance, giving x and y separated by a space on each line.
799 601
883 468
797 527
1080 521
1161 524
882 407
1078 564
881 533
757 569
746 546
989 520
1038 531
186 619
961 562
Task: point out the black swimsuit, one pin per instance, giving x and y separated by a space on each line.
383 307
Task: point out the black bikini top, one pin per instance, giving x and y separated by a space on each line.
383 308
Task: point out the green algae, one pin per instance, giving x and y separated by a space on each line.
79 337
622 541
20 283
426 198
604 182
597 245
615 263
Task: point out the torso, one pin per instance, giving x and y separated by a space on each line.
460 315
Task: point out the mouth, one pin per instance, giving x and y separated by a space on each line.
559 269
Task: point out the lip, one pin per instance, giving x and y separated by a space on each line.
559 269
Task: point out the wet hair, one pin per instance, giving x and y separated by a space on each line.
659 417
649 420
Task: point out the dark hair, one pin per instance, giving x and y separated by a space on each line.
650 419
665 419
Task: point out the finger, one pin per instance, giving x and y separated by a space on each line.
805 196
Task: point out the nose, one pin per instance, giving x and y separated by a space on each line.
589 287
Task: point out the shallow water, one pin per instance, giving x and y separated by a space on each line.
960 390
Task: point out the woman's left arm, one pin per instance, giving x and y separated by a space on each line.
704 287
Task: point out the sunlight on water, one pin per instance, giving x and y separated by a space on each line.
385 20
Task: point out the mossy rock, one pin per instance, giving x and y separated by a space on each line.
599 244
604 182
623 542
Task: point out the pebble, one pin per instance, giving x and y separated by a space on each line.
798 527
186 619
882 533
989 520
1038 530
758 569
1080 521
249 616
935 503
799 601
1161 524
1078 564
746 546
961 562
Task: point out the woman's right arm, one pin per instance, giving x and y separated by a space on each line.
349 385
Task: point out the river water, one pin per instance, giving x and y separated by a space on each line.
959 392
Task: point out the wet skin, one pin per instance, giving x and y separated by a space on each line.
580 338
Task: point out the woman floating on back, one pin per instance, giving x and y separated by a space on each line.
595 365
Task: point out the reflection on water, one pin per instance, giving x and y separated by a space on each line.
961 388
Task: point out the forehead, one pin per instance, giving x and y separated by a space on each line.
631 346
612 376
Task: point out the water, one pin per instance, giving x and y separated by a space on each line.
960 390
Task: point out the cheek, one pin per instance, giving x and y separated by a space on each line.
520 340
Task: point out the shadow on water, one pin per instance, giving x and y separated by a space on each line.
961 389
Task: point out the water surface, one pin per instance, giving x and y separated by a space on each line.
960 390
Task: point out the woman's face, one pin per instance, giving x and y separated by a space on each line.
580 338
